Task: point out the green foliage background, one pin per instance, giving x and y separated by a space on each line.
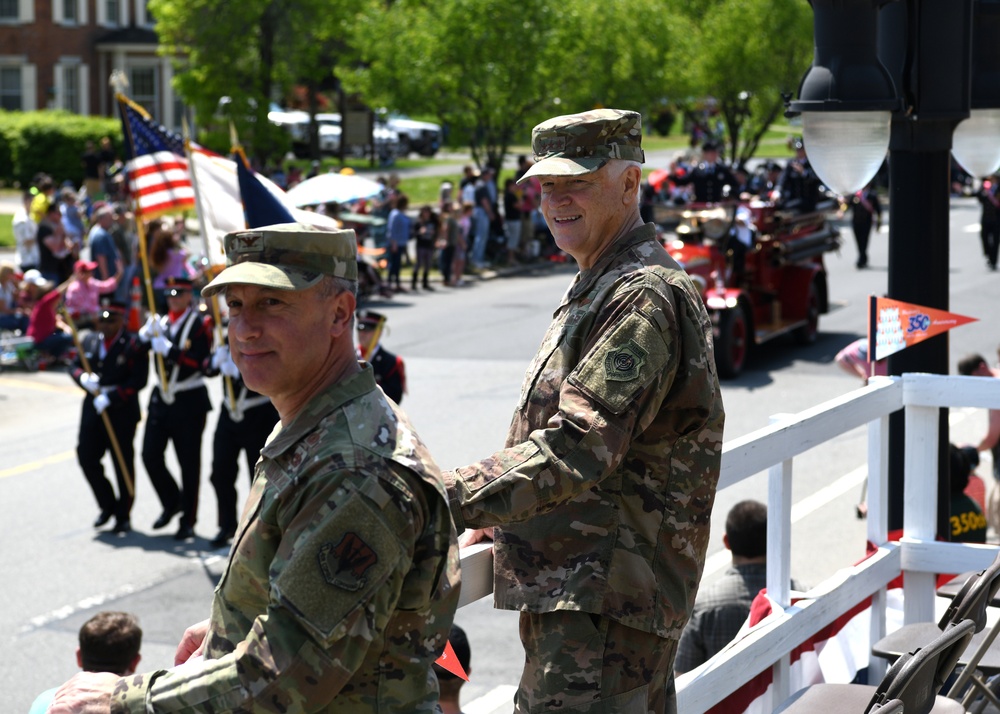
49 141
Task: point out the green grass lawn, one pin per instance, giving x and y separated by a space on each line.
6 231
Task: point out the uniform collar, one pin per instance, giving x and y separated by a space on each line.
320 406
586 278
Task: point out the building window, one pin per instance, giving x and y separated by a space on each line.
10 10
142 81
71 89
69 10
11 94
112 12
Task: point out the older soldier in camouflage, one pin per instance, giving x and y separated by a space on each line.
342 580
600 502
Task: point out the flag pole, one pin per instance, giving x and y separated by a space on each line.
112 437
212 301
141 231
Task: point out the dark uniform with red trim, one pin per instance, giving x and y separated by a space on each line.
178 414
121 362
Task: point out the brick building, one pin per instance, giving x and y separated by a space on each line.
59 54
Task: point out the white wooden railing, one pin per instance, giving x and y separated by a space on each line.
772 449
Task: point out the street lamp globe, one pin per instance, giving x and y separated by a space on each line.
976 142
846 149
847 97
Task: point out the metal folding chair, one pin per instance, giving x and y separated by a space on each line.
894 706
914 679
970 603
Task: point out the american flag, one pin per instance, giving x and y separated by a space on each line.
157 169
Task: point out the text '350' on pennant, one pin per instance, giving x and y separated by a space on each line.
894 325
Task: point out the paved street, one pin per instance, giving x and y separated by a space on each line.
466 351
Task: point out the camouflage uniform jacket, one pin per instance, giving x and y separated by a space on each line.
605 488
342 581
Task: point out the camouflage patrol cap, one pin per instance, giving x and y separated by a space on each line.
286 256
577 144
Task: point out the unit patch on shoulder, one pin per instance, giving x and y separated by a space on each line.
622 364
346 563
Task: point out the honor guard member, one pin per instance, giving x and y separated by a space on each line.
342 582
600 502
798 186
390 372
245 421
712 180
183 338
119 366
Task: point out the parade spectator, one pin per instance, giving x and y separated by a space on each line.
25 235
45 327
91 163
975 365
449 240
624 375
45 189
449 683
71 219
108 642
512 219
55 249
117 368
342 590
167 259
989 220
398 230
177 410
467 186
103 250
428 229
853 359
462 244
966 521
482 218
445 198
721 608
83 296
12 317
866 210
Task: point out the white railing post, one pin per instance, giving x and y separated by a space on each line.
779 553
920 479
878 527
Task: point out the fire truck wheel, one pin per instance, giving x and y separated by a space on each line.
732 342
806 335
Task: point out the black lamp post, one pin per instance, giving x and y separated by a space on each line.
911 60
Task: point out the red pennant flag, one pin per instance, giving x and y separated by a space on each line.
894 325
450 662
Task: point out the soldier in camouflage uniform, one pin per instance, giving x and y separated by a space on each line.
600 503
343 576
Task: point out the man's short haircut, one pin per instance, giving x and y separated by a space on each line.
970 363
109 642
746 529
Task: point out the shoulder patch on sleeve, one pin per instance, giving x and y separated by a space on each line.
337 566
624 362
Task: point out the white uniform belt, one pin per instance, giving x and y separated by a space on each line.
195 380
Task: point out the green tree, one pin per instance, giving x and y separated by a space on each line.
745 54
490 72
252 56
